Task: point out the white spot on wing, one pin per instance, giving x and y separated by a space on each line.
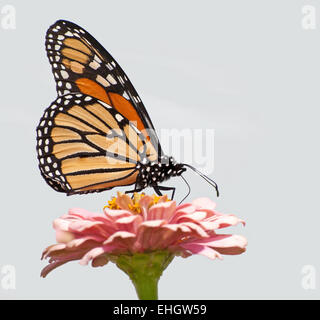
119 117
68 34
64 74
94 65
97 59
109 66
102 81
111 79
105 105
125 95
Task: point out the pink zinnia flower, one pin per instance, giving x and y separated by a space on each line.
142 225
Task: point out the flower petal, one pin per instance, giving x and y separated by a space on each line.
144 203
82 213
182 210
100 261
130 223
121 239
223 221
92 254
201 249
162 211
56 263
64 236
51 249
225 243
87 241
124 201
204 204
146 231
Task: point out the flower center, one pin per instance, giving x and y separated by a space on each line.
112 204
134 204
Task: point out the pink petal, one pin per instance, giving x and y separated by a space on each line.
146 231
124 201
187 208
163 198
96 252
55 247
81 226
92 254
204 204
224 221
144 203
116 214
201 249
64 236
82 213
162 211
195 217
61 224
225 243
121 239
152 223
181 210
178 227
129 224
197 230
78 243
100 261
67 258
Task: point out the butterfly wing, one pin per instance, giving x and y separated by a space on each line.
80 64
85 145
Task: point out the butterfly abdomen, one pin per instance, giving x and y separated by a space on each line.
152 173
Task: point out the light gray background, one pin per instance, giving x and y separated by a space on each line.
246 69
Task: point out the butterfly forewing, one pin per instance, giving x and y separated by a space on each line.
80 64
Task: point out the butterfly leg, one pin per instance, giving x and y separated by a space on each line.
158 189
134 190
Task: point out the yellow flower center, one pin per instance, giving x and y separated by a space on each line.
112 204
134 206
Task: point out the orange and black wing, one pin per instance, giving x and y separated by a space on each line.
80 64
85 145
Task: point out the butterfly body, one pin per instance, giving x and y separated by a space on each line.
152 173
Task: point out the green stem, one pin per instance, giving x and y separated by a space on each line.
144 270
146 287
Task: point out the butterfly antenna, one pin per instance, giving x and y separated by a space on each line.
203 176
189 189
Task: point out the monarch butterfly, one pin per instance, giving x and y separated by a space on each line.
97 134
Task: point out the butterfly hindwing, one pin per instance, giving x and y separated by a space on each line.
85 145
